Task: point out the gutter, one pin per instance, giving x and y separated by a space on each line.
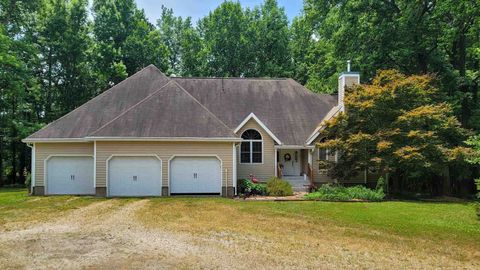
159 139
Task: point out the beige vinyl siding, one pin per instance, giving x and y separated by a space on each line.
165 150
44 150
317 176
262 171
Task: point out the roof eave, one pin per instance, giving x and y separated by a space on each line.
254 117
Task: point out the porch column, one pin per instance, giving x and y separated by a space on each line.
276 162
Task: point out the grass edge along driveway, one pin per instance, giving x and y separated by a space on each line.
297 233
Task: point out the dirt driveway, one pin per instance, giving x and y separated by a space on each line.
105 235
209 234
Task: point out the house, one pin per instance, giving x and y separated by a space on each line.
152 135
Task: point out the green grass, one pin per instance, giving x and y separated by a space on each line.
17 206
435 221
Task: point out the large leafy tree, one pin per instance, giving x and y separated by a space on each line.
414 37
399 125
63 38
268 38
144 46
18 86
223 32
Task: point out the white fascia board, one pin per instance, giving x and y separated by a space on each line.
53 140
163 139
166 139
333 112
252 115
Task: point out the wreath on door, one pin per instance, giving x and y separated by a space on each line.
287 157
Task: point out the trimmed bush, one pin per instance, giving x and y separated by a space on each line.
340 193
246 186
278 187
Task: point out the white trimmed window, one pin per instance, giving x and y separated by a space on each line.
251 147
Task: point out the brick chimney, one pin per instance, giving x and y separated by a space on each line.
346 79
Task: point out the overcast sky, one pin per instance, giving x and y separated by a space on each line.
199 8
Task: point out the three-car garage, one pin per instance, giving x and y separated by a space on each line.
135 175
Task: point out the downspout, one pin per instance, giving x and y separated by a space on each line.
234 172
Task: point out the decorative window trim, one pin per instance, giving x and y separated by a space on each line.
251 148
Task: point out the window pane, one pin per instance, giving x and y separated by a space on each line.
257 147
245 158
257 157
322 154
251 135
245 147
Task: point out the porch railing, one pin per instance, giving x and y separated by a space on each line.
279 171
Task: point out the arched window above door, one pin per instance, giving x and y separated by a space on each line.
251 148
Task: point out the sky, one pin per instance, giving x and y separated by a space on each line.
199 8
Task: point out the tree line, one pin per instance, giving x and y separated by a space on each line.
57 54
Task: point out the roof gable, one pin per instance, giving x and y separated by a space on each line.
262 125
104 107
170 112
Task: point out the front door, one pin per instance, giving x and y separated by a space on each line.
290 159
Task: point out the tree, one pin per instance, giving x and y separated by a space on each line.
144 46
18 87
111 25
414 37
399 125
64 42
267 40
223 33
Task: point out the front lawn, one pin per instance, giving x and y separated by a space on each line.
220 233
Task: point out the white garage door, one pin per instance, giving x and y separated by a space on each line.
134 176
195 175
70 175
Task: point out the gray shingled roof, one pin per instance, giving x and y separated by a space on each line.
106 106
288 109
169 112
149 104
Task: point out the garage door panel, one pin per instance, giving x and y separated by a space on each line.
195 175
70 176
134 176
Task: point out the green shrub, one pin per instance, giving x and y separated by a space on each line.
381 184
477 207
246 186
278 187
340 193
28 179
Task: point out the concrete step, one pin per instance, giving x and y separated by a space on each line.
300 189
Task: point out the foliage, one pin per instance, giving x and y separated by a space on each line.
381 185
330 192
400 125
28 179
474 142
246 186
57 54
414 37
278 187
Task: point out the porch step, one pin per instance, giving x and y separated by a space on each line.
299 184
